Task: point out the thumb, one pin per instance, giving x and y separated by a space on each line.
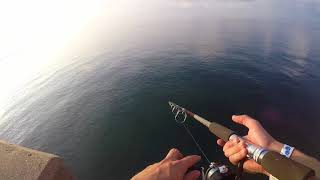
246 121
193 175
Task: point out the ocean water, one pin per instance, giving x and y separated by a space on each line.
104 108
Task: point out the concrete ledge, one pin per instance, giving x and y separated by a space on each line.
20 163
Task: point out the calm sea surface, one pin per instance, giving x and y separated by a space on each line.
105 111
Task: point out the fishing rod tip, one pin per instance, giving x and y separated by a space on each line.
171 103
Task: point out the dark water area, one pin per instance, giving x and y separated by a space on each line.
106 113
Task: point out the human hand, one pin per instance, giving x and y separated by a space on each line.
173 167
235 149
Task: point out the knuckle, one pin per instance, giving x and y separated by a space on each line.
243 152
242 145
171 164
164 168
225 148
226 154
163 162
228 143
159 169
174 150
240 155
175 163
232 161
228 148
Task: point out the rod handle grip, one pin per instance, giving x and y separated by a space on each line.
221 131
284 168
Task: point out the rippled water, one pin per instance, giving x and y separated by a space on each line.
105 109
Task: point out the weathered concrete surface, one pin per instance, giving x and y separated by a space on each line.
20 163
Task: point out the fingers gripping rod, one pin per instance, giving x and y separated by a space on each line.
274 163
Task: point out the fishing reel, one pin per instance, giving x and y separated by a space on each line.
217 171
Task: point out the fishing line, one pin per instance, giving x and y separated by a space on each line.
181 120
195 141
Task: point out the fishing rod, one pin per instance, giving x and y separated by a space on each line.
279 166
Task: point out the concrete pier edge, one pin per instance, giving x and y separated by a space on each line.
21 163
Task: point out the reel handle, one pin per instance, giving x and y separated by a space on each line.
284 168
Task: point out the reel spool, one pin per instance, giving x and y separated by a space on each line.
217 171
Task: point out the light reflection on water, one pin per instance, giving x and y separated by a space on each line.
106 91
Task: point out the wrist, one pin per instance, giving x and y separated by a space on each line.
276 146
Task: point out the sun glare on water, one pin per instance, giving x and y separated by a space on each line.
33 36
